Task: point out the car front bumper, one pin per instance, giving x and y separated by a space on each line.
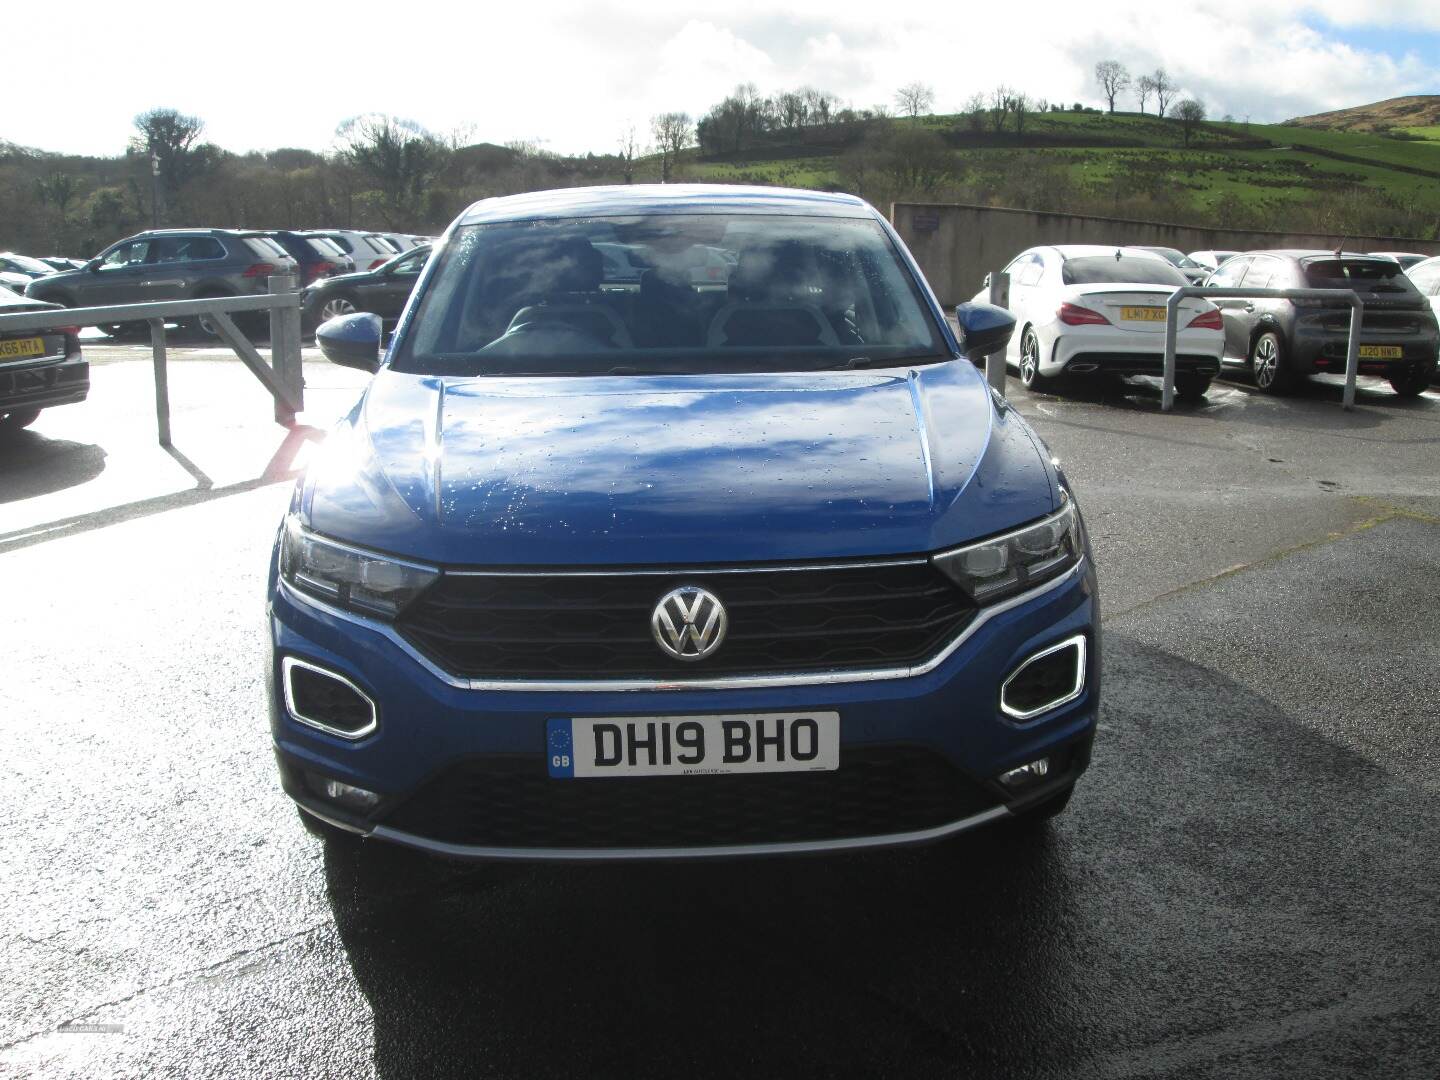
429 727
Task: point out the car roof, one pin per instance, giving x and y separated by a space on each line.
624 199
1088 251
1316 253
199 232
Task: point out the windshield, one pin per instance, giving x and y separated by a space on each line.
27 265
669 294
1176 258
324 247
1127 270
1372 275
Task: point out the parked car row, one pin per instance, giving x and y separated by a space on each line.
1088 310
189 264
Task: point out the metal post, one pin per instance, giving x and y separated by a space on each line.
995 362
1352 352
285 349
1167 377
162 380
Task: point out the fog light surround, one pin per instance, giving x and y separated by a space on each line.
1050 685
347 795
326 700
1027 775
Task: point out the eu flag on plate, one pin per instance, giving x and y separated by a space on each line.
559 749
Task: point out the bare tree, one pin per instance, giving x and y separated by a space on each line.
975 112
1020 106
999 102
1191 113
1113 79
1144 90
1165 90
59 190
672 132
629 151
400 160
915 99
169 138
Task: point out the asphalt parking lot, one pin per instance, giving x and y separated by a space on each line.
1244 886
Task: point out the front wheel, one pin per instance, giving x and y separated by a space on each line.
1413 380
1268 365
1030 376
336 306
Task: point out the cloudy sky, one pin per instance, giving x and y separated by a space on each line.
572 75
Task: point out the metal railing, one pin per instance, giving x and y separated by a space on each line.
1338 296
282 377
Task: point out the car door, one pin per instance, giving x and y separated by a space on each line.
1232 311
117 279
1024 276
1426 278
165 268
396 284
1267 313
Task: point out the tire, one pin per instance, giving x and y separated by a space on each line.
334 307
1030 376
202 324
1413 381
1191 387
1268 366
1037 815
20 418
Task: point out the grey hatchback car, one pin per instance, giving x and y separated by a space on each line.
169 264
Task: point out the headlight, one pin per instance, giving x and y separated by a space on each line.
1005 565
347 577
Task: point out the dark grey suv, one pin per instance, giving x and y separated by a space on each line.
169 264
1282 341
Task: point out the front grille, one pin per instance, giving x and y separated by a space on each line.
579 626
512 802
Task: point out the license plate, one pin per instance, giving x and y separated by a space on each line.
693 745
1381 352
1142 314
19 348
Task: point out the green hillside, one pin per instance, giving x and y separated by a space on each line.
1232 174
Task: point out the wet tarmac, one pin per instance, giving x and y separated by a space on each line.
1244 885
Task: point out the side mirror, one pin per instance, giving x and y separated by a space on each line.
351 340
93 266
984 329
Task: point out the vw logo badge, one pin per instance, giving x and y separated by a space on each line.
689 623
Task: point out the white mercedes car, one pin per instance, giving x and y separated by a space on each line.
1092 310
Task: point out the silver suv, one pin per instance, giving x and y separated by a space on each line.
169 264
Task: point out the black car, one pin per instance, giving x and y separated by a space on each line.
382 291
318 256
38 368
1282 341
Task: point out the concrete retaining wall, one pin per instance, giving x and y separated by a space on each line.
958 245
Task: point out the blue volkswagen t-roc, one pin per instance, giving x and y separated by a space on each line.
736 554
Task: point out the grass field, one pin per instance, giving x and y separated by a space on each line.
1245 174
